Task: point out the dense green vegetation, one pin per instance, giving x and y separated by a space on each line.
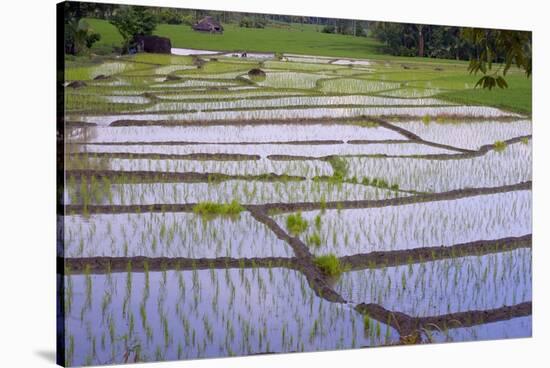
449 78
291 34
329 264
135 20
210 209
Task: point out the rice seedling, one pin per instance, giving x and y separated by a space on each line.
296 224
490 170
323 202
303 113
468 134
317 222
349 85
314 239
274 102
70 351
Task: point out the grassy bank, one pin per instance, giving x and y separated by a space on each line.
449 77
300 39
515 98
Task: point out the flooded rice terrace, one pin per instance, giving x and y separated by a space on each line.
212 213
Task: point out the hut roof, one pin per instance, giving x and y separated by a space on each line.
208 24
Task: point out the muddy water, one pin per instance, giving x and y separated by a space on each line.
207 313
308 169
170 235
430 224
184 52
495 168
265 150
243 191
243 133
511 329
313 113
447 286
471 134
174 312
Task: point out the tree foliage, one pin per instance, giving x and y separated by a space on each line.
482 47
170 16
490 52
132 21
405 39
78 35
505 47
253 22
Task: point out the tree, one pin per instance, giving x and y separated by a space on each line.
420 27
400 39
482 47
169 16
78 35
132 21
502 46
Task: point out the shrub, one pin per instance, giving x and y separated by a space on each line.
329 265
170 17
329 29
296 224
188 19
253 22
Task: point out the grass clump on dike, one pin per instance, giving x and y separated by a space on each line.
329 265
211 209
499 146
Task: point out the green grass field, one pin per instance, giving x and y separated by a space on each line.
295 39
453 79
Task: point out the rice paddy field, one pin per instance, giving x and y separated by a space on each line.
332 203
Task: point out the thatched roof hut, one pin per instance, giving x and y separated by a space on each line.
208 24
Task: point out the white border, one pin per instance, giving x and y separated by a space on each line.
27 305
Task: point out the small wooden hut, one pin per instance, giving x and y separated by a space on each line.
208 24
